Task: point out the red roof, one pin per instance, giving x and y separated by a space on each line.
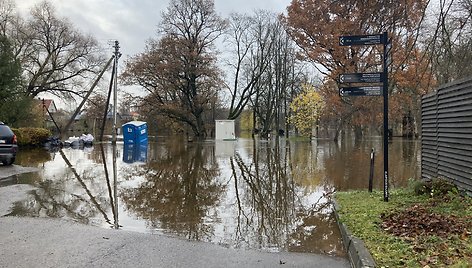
48 104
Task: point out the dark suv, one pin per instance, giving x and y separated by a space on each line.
8 146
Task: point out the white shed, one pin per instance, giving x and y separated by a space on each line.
224 130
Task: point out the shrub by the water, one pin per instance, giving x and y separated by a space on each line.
31 136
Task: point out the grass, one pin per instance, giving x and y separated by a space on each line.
362 212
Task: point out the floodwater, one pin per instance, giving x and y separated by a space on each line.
269 195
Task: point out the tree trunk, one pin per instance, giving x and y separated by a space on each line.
200 131
358 133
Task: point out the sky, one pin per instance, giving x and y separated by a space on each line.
132 22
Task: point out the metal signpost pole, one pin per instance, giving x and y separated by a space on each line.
385 115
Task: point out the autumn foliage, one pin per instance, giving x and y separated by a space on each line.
306 110
316 27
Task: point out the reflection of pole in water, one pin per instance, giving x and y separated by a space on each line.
110 192
115 188
92 198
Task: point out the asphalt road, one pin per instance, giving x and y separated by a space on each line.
9 171
41 242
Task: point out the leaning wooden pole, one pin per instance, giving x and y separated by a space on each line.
64 131
105 113
52 118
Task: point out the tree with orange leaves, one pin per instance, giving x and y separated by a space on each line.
316 26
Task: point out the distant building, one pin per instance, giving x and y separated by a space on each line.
49 105
48 111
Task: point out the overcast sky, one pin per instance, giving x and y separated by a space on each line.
132 22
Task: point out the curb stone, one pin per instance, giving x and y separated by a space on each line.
358 254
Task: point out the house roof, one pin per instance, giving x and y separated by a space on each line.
48 104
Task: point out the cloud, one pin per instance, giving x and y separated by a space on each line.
133 22
226 7
130 22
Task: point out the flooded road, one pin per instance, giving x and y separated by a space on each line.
270 195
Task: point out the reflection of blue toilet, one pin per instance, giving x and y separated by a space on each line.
135 139
135 153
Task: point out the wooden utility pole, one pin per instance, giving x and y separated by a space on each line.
64 131
115 101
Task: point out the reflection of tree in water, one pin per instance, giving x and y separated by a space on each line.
180 187
76 196
271 210
316 229
348 165
341 165
265 197
32 157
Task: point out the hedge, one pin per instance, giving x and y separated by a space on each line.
32 136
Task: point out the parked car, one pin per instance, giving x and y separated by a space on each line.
8 145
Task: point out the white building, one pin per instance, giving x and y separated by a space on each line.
224 130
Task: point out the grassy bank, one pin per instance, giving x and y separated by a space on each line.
432 229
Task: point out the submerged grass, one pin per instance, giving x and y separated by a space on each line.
364 214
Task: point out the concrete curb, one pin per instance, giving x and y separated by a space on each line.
358 254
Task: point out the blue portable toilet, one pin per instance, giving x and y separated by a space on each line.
135 132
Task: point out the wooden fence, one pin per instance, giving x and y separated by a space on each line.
446 126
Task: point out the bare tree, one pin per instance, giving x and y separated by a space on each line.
274 88
55 57
449 40
7 15
252 57
179 70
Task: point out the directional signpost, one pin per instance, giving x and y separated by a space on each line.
360 91
362 40
361 78
370 78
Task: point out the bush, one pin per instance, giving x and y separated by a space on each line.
434 187
31 136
